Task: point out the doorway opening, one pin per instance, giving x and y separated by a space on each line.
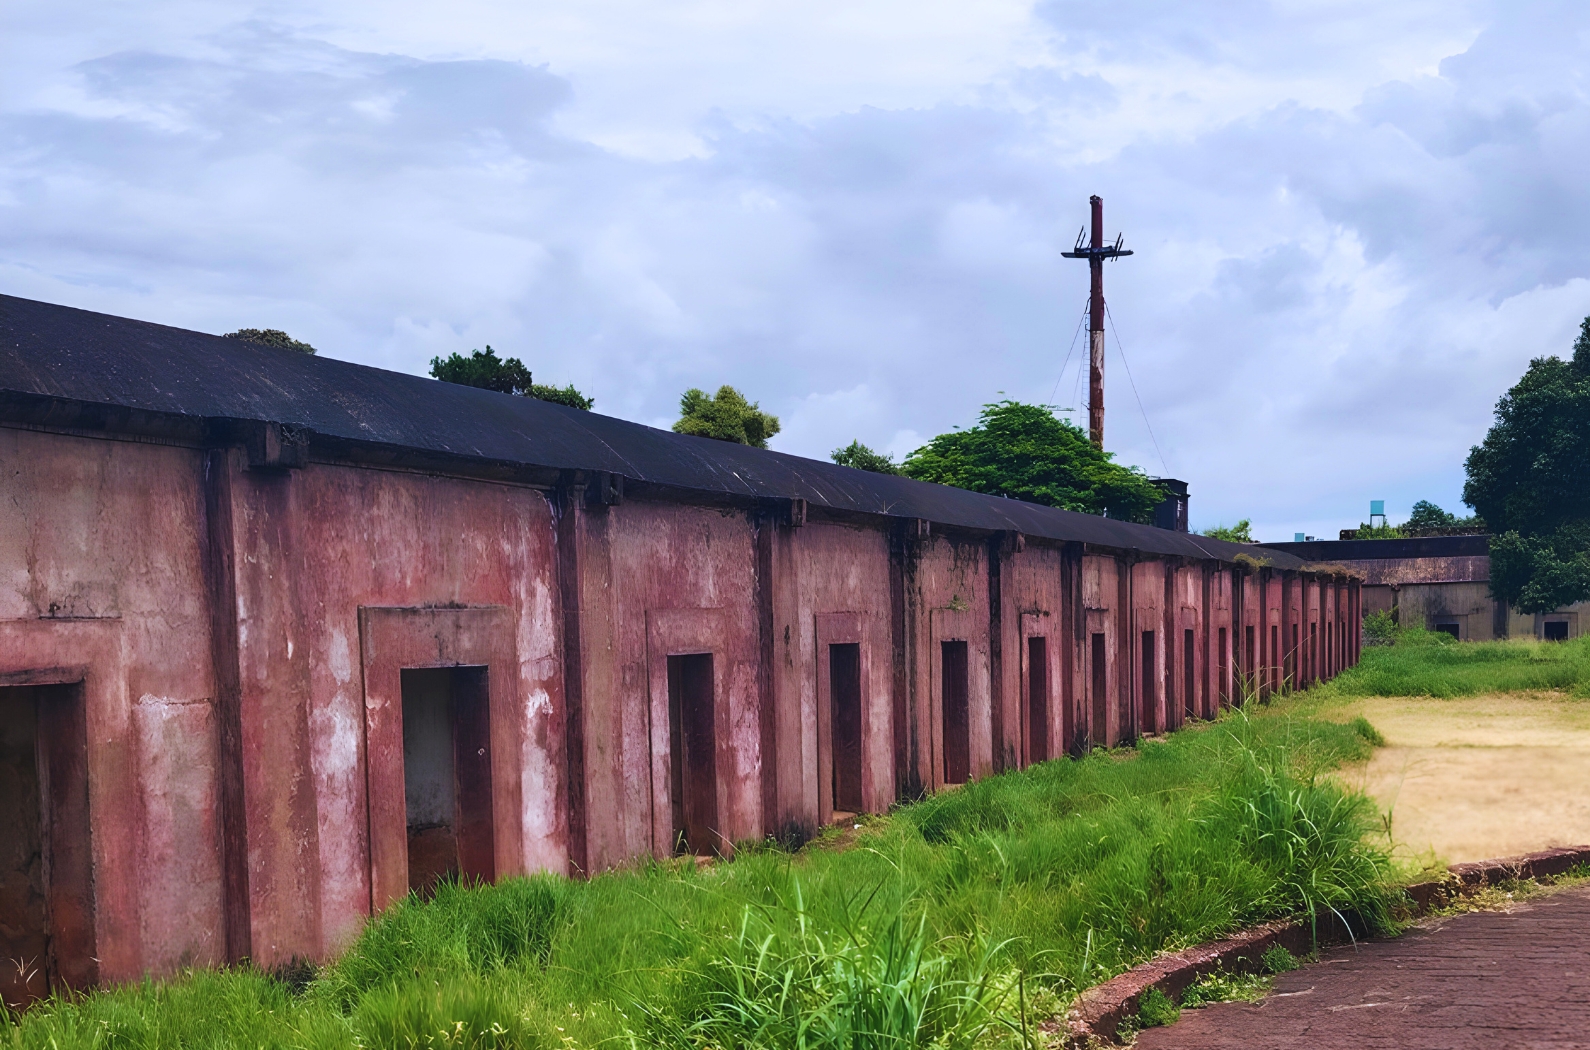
1037 699
1248 663
1274 661
1100 685
1189 684
1291 661
46 868
1150 685
844 691
956 686
1223 688
447 775
1551 630
692 754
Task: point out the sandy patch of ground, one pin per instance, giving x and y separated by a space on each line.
1479 777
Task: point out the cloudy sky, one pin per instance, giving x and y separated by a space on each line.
1355 220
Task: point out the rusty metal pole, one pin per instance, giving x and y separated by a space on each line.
1095 252
1096 327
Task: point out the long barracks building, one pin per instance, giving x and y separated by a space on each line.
283 637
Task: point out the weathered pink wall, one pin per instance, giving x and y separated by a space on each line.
637 560
239 701
949 597
818 571
101 581
1036 607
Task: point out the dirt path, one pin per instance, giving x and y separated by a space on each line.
1519 978
1480 777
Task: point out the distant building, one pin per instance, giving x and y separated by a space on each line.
1439 582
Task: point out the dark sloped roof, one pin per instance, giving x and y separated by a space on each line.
1473 545
91 359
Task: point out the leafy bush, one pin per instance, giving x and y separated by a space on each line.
1026 452
861 457
484 369
1155 1008
725 416
271 337
1380 627
1241 532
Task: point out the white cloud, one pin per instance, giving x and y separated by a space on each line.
1355 222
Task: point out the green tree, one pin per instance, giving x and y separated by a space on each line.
1367 531
1427 515
484 369
270 337
1026 452
725 416
1241 532
861 457
1528 481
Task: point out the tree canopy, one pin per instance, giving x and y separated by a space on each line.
270 337
1528 481
1026 452
861 457
725 416
1427 515
484 369
1241 532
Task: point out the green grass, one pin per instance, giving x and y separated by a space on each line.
961 920
1424 663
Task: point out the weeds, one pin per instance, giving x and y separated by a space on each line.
1430 663
965 919
1155 1008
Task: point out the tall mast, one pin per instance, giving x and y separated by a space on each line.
1095 252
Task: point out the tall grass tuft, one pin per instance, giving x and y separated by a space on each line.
462 931
876 982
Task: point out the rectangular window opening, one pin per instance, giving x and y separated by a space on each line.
1452 628
1037 699
447 775
844 691
1552 630
1150 685
956 687
692 754
46 882
1100 689
1188 683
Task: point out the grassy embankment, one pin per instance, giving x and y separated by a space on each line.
1429 663
966 918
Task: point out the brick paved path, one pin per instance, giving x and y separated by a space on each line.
1485 979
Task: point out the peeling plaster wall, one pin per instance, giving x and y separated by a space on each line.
101 581
817 571
313 547
231 630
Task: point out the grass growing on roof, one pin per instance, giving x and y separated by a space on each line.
961 920
1430 663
